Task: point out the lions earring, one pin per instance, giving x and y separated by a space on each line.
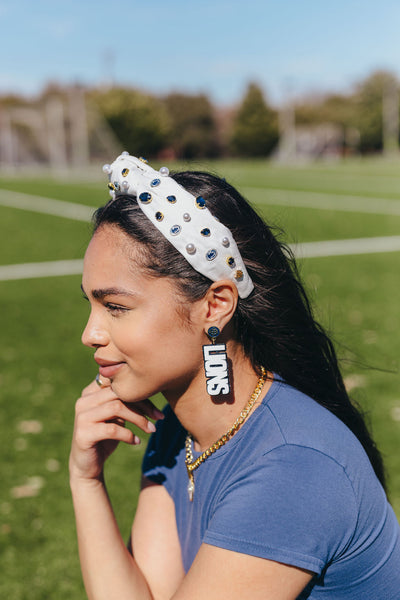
216 365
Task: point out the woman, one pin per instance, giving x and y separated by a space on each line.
261 480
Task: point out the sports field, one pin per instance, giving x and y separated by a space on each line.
343 220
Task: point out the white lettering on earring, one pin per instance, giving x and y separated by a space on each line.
216 369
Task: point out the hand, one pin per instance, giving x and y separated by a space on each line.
100 425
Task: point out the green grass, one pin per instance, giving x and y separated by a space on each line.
44 366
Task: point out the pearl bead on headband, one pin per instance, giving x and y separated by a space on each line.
182 218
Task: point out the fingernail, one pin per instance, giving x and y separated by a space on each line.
158 414
136 440
151 427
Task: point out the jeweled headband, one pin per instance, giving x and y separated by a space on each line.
182 218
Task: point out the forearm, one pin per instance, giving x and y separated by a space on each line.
109 571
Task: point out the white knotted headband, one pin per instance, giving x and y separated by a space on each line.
182 218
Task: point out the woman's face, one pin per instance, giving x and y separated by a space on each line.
142 342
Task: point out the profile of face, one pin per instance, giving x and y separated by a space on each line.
145 340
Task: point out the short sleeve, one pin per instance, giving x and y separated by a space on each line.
295 505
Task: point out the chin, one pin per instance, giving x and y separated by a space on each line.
125 392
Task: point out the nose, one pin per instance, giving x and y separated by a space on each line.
95 334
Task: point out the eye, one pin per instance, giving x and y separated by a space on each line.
115 309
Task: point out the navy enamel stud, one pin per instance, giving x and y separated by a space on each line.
206 232
175 229
155 182
116 186
111 186
125 172
211 254
171 199
145 197
159 216
191 249
200 202
213 332
144 160
231 261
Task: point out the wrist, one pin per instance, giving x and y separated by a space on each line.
78 482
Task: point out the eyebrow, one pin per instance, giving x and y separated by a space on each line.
99 294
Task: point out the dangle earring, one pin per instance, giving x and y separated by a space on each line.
216 365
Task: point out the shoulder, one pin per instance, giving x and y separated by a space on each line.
303 423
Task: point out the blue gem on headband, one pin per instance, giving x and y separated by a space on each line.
125 172
155 182
171 199
211 254
175 229
111 186
159 216
231 261
206 232
200 202
116 186
145 197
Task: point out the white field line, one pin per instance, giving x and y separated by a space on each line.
347 247
43 269
323 201
59 208
306 250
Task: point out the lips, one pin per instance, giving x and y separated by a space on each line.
108 368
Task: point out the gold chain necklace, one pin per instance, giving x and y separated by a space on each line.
191 464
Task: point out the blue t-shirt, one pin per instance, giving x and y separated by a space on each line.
293 485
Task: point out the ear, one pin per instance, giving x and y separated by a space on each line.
220 303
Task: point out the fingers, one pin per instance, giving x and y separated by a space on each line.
146 407
106 406
93 395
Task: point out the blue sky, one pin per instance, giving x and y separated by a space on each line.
289 47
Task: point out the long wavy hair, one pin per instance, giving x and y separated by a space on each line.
275 323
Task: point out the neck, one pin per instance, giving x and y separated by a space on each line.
207 418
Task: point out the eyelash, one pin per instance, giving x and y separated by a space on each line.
114 309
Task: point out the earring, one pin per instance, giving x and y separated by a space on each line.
216 365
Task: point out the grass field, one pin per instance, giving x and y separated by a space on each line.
44 367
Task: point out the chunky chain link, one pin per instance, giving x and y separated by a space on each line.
191 464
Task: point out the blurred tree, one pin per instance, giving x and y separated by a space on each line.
139 121
334 108
368 99
255 127
194 133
